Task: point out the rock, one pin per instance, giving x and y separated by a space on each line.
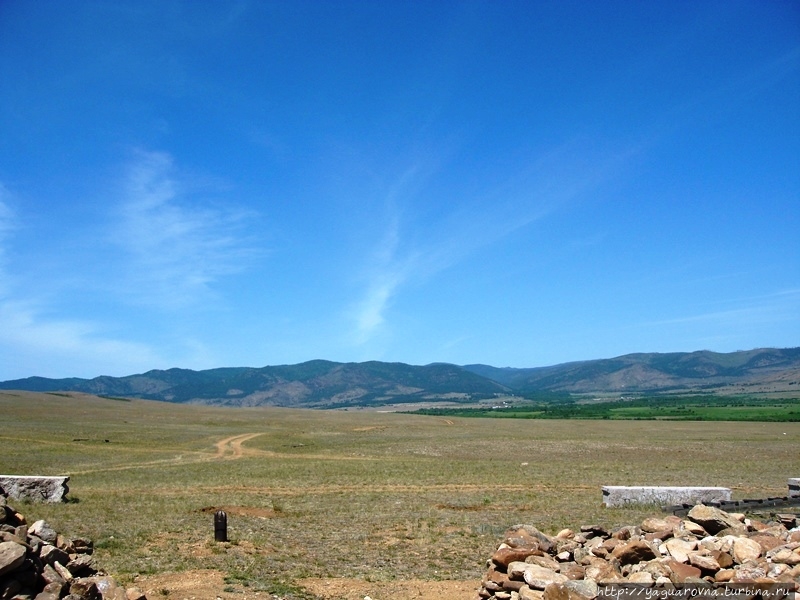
34 488
529 531
526 593
50 554
505 555
654 524
82 565
571 590
606 573
516 570
642 578
724 560
573 566
748 574
12 555
745 549
712 519
51 576
595 531
83 545
572 571
724 575
85 588
108 588
545 561
679 549
767 542
564 556
43 531
681 573
704 562
626 533
539 578
785 556
692 528
63 571
567 534
633 552
65 544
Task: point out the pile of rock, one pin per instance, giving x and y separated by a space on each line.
708 550
38 563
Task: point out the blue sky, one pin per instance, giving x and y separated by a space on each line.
205 184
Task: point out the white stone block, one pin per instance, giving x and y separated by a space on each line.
620 495
35 488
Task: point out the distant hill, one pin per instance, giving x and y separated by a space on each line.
326 384
314 384
656 372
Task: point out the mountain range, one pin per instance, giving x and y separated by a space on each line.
326 384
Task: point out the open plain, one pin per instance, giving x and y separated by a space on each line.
345 504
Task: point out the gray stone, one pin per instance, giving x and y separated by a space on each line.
43 531
12 555
620 495
82 565
50 554
35 488
51 577
712 519
85 588
794 487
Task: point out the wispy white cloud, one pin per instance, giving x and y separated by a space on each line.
178 247
174 250
6 223
410 252
35 344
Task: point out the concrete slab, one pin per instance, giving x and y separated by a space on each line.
35 488
620 495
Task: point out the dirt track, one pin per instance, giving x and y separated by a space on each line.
231 447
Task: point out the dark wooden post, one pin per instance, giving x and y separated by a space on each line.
220 526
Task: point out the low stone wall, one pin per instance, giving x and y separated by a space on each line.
710 553
620 495
37 489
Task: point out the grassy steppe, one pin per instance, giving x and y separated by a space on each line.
352 494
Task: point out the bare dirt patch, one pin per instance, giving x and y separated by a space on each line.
208 584
355 589
204 584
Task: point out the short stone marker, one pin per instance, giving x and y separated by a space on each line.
220 526
35 488
794 487
621 495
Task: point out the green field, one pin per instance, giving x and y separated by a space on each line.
664 407
365 495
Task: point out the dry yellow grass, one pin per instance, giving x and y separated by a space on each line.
365 495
